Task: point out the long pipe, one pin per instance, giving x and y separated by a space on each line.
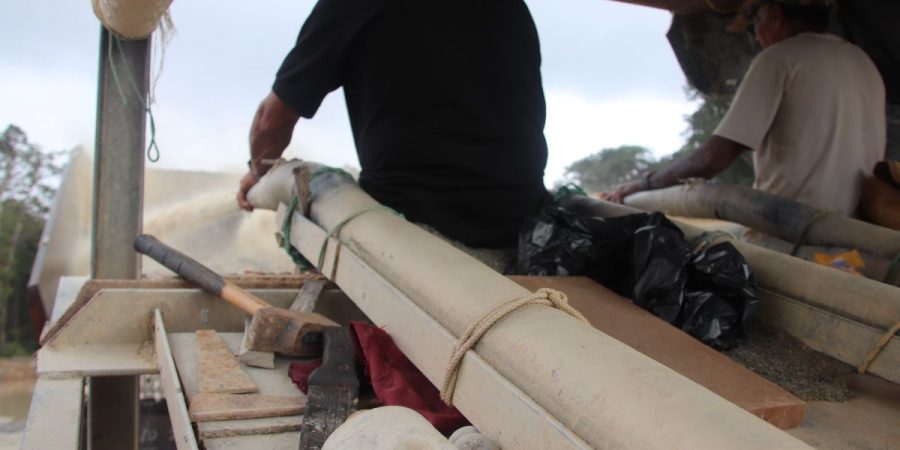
606 392
777 216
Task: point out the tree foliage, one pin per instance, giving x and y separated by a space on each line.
27 175
610 167
613 166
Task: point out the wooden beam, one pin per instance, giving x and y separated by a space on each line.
54 419
178 413
206 407
218 371
650 335
110 334
124 77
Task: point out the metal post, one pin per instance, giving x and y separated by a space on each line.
118 205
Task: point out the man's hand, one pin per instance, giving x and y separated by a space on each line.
270 134
248 181
618 194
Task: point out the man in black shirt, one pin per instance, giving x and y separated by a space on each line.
445 103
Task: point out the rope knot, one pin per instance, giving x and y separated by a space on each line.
557 298
543 296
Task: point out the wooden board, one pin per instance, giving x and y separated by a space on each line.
175 401
232 428
218 371
207 406
619 318
54 418
270 382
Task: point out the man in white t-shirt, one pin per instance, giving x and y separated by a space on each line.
811 105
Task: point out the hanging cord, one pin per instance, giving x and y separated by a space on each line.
292 251
882 343
285 242
152 147
567 190
801 238
543 296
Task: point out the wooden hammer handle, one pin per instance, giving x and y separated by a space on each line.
197 273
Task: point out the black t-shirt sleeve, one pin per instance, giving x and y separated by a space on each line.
313 68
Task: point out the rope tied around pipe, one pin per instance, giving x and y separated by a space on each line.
882 343
801 238
544 296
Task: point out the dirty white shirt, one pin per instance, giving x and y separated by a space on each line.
813 108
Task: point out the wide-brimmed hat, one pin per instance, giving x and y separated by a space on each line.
749 8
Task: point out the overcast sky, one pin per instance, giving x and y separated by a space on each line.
610 79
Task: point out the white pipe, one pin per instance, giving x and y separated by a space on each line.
606 392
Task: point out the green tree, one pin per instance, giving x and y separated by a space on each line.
701 125
27 174
609 167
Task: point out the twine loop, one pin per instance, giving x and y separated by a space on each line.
543 296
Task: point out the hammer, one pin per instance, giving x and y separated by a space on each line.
271 329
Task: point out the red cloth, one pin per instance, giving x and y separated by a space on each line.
395 380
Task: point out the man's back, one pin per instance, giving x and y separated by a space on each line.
815 118
445 102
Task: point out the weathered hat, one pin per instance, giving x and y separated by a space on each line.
749 8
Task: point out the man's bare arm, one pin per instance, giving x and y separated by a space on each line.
716 155
270 134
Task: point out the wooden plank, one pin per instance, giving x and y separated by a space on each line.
208 406
231 428
127 314
269 381
218 371
86 291
55 416
96 360
178 413
619 318
266 441
308 296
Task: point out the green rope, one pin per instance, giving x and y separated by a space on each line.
567 190
891 276
326 170
286 232
337 229
152 147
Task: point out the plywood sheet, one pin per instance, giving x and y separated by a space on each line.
619 318
218 371
270 382
232 428
208 407
178 414
54 419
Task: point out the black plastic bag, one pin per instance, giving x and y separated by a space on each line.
646 258
639 256
557 243
721 296
660 255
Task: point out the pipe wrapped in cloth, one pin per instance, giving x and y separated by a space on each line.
771 214
607 393
866 301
